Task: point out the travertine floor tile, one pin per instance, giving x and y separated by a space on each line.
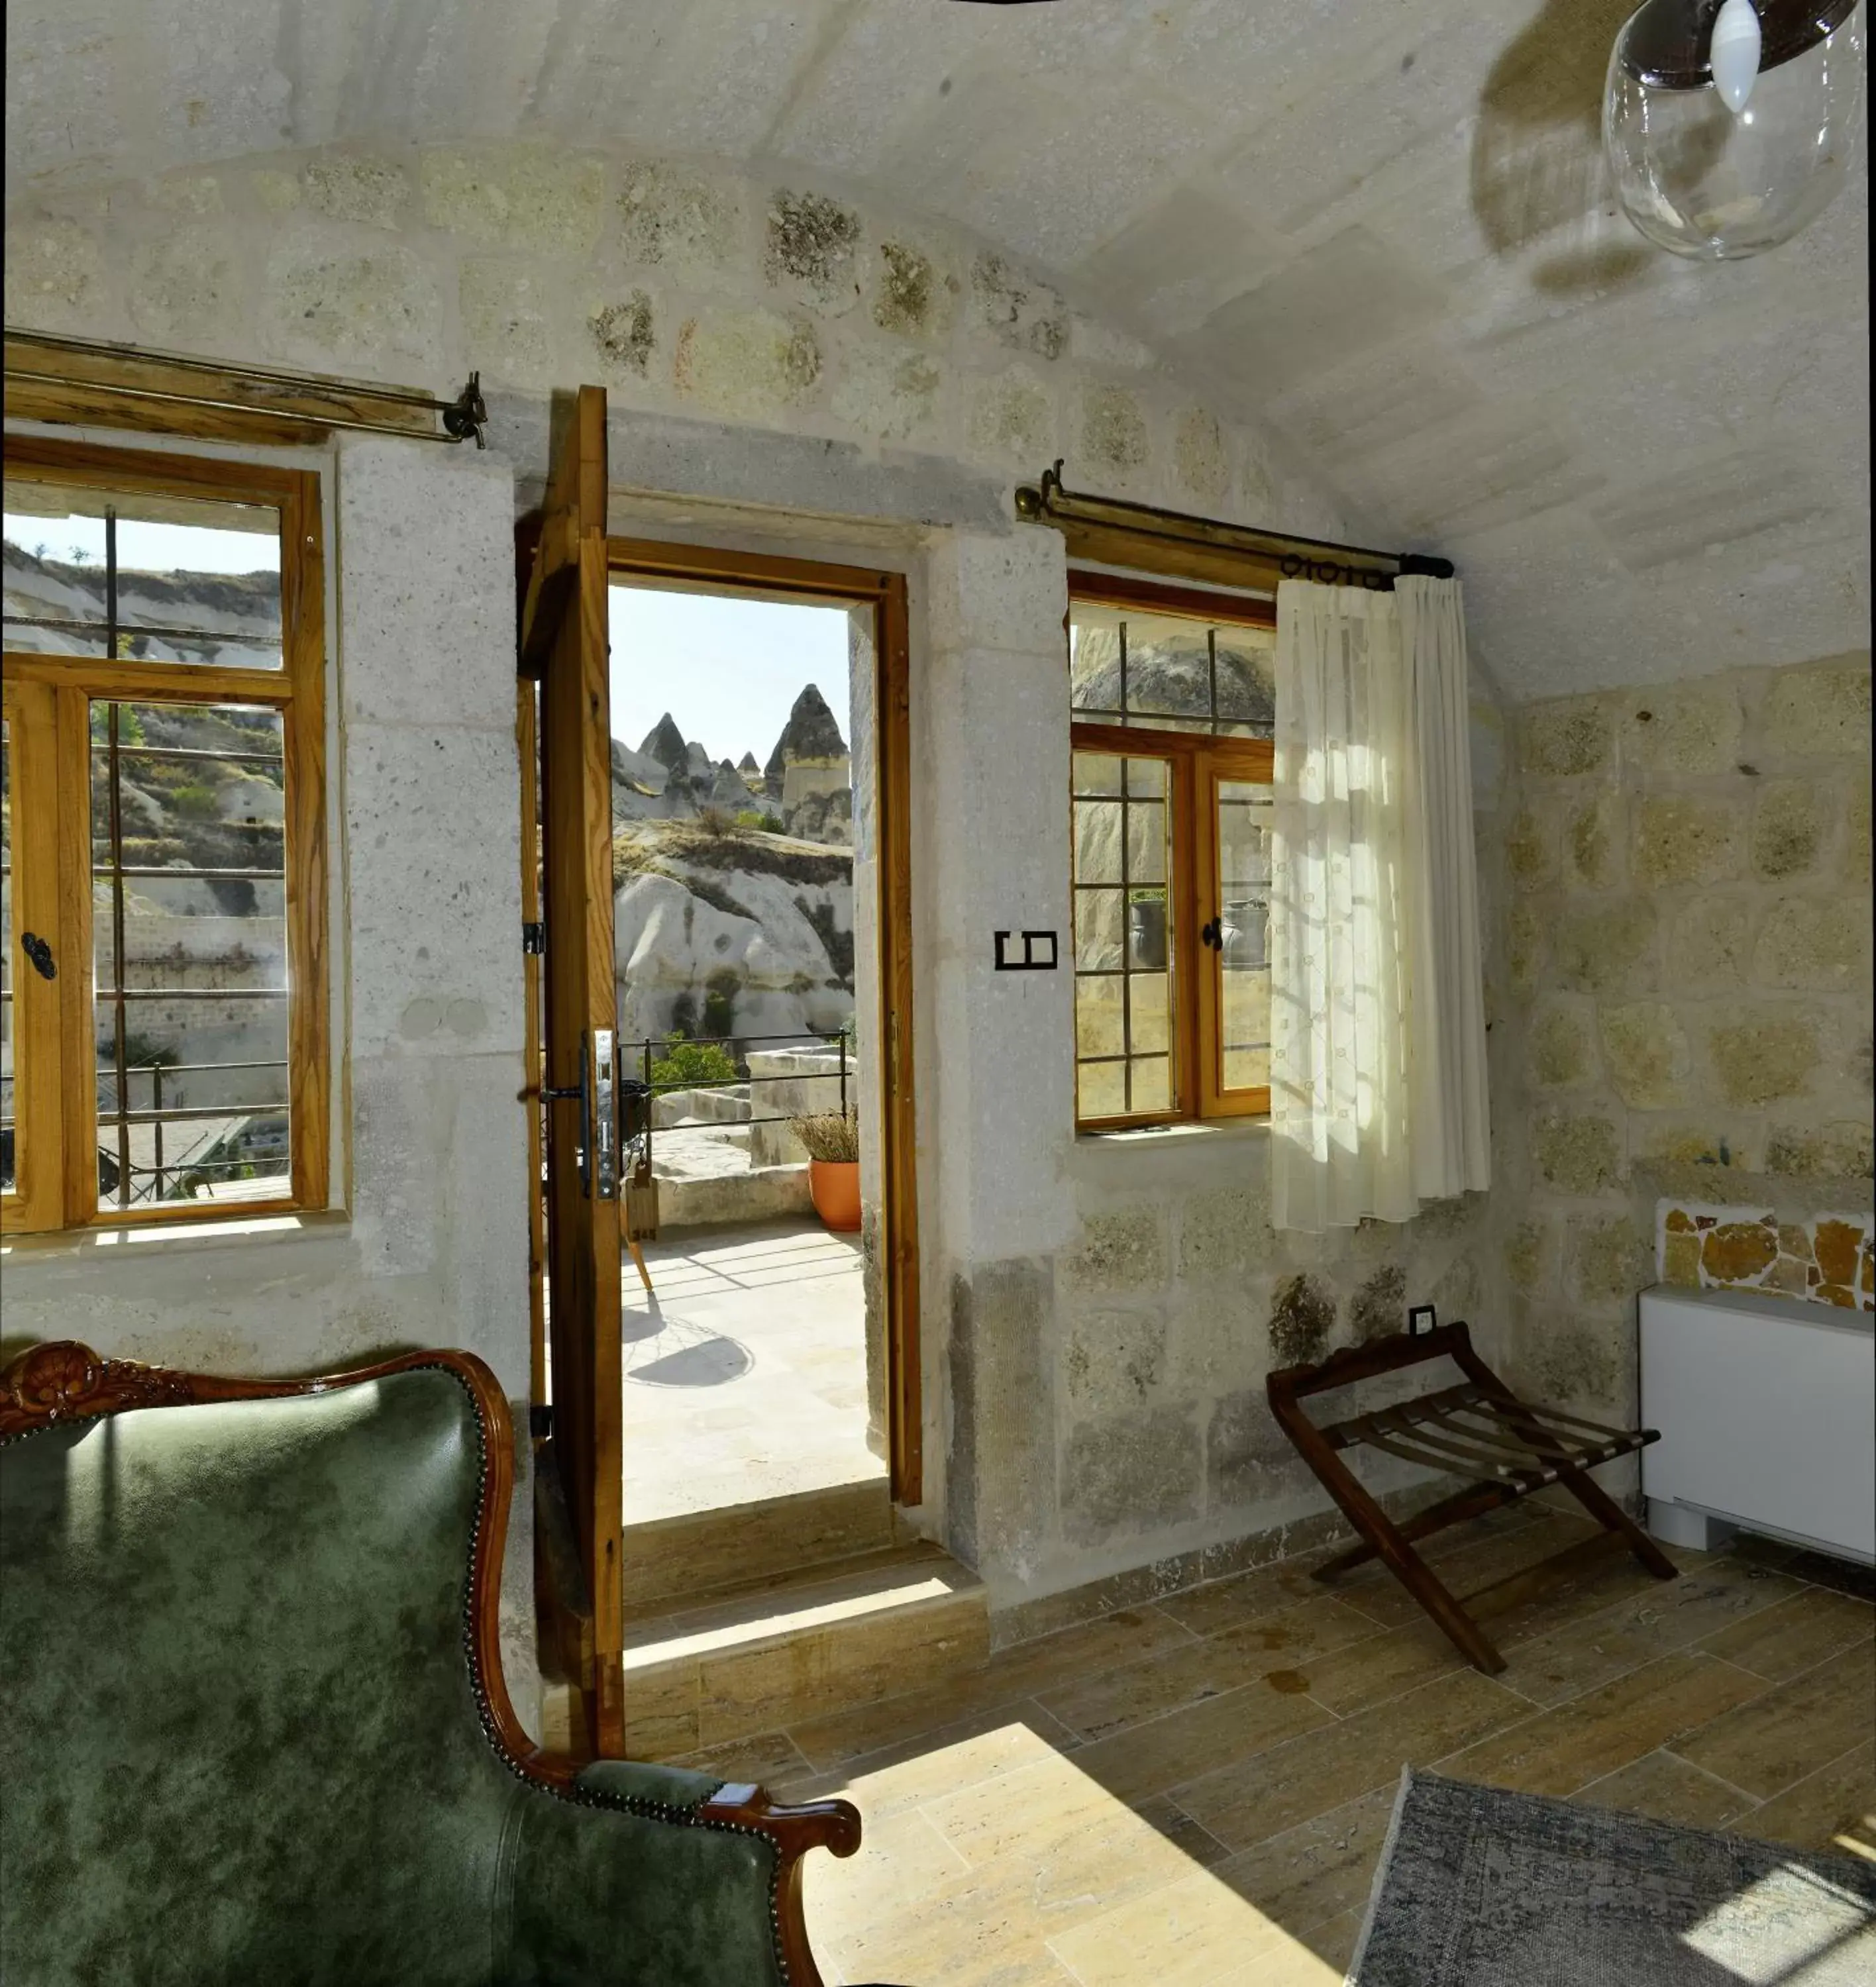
1798 1633
1163 1812
1562 1749
1097 1707
1161 1754
1835 1807
771 1759
1008 1677
1662 1619
1196 1932
932 1770
1309 1874
1666 1788
1792 1729
1467 1567
1246 1803
1245 1597
1383 1664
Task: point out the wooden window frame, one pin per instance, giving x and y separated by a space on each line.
1196 762
55 692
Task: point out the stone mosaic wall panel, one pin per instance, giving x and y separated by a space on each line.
1826 1260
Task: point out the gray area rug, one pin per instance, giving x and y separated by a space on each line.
1478 1887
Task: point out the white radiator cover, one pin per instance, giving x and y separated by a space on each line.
1766 1407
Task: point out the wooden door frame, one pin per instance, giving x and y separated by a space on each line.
857 586
563 645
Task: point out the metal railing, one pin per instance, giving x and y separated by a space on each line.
122 1115
652 1050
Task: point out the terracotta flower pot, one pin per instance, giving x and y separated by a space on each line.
834 1186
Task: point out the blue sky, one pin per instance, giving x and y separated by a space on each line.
727 669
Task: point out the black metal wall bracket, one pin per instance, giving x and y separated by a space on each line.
1038 954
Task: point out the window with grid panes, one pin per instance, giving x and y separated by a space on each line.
164 1000
1171 711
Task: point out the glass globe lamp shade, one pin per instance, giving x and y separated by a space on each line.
1714 184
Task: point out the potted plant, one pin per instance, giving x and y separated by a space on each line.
833 1143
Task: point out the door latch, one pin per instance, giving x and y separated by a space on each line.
40 953
533 938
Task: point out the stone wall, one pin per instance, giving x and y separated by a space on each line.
682 291
426 1243
1101 1312
810 375
1690 954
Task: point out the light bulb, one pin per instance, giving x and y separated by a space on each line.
1734 53
1725 140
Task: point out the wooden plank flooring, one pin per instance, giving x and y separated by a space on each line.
1197 1791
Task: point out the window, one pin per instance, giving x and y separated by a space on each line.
163 1049
1171 707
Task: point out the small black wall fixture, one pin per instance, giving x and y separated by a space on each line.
1038 953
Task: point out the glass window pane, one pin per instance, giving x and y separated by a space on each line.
1146 841
1101 1090
1246 679
189 925
1100 930
1247 1069
1123 962
1146 779
1100 1015
1096 775
1243 963
1150 1080
1149 1024
171 579
1131 666
1098 842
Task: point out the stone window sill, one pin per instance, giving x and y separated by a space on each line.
166 1238
1181 1136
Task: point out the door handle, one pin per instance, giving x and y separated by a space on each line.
1210 933
602 1128
40 953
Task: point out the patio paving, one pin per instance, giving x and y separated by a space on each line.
745 1369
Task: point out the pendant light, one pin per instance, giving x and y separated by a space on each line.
1730 127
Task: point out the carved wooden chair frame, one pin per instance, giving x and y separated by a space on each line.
1481 1429
64 1381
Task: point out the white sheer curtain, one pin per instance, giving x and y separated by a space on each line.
1377 1082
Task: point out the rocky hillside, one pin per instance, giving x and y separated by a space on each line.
728 929
1172 676
671 778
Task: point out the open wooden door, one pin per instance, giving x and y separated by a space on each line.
564 647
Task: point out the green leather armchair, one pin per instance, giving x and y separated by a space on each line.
254 1729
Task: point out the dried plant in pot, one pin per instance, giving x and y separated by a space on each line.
833 1143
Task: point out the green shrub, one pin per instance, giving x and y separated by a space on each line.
687 1065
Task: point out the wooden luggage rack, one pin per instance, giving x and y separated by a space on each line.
1478 1429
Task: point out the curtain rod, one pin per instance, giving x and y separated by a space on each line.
461 417
1048 501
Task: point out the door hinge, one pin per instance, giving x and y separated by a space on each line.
533 938
541 1421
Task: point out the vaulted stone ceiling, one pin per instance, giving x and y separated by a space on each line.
1378 227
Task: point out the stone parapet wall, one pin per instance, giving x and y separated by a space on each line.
1690 955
